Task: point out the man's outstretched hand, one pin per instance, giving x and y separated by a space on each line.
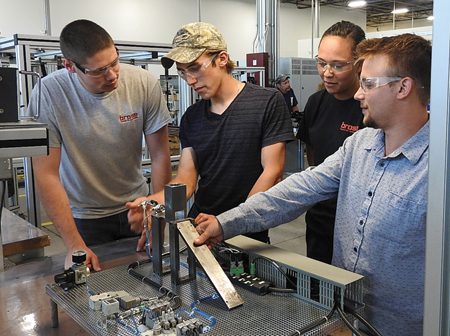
209 229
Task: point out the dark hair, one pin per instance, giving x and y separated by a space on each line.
230 64
346 29
409 56
82 39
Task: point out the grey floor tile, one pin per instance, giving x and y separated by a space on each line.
290 236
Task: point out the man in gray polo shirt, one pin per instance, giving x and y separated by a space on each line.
97 112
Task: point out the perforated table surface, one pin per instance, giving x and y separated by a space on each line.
271 314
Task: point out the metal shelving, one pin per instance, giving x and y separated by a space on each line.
41 54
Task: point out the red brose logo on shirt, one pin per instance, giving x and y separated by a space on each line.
129 117
349 128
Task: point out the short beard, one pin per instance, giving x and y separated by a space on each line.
368 122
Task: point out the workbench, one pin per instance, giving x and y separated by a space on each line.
270 314
19 236
29 299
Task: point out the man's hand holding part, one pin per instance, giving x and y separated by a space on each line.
92 260
136 212
143 211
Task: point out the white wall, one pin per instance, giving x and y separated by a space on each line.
158 20
426 32
127 20
22 17
328 16
407 24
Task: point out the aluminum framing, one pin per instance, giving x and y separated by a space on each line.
437 261
24 47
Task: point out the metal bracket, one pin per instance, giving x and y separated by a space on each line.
215 273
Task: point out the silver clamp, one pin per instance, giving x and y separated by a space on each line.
158 210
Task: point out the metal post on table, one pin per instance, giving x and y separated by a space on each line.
175 201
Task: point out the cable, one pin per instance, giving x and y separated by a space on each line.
131 270
372 331
278 268
281 290
223 249
163 290
316 323
196 311
146 229
211 297
347 322
167 294
134 331
135 325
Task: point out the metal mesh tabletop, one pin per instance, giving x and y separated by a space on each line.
271 314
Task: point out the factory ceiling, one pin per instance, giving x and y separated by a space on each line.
378 12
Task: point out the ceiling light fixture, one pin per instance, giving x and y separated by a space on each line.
400 11
357 4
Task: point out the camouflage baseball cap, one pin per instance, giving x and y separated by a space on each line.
191 41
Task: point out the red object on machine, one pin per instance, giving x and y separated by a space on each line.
259 60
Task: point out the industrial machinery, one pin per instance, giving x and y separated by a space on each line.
260 60
305 81
18 138
241 287
304 77
26 54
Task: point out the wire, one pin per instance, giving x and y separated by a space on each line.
174 300
135 325
131 270
146 229
316 323
124 324
281 290
223 249
278 268
372 331
347 322
177 302
196 311
211 297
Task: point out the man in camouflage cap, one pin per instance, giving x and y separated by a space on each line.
233 139
191 41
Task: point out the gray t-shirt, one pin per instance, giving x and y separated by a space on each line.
101 136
